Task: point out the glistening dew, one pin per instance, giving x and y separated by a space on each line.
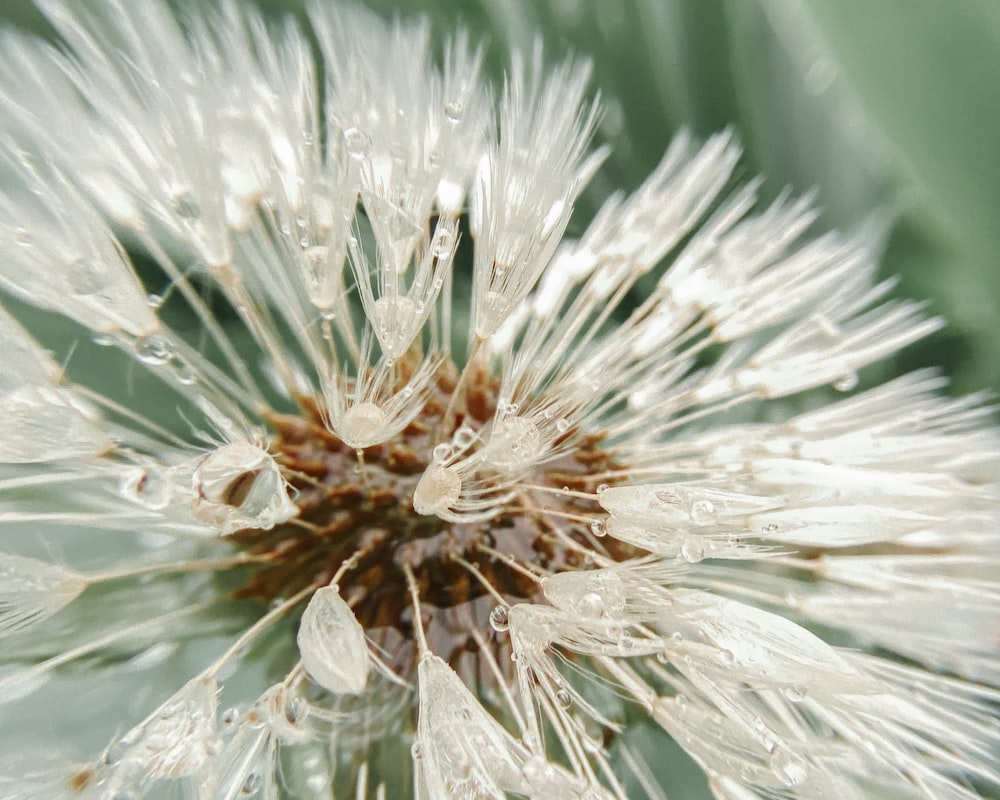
362 478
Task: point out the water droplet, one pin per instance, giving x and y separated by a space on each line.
532 769
727 658
86 277
602 488
702 512
359 143
104 339
415 751
183 372
846 382
786 768
562 425
239 485
591 604
692 549
395 321
362 425
154 349
251 784
564 698
453 111
154 301
499 619
442 243
794 694
598 527
464 437
230 717
437 490
514 442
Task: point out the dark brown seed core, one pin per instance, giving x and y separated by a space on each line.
362 504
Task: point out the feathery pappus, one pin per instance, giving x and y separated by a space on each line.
367 475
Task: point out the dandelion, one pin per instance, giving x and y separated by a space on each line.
402 495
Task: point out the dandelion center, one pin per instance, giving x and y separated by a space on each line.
357 515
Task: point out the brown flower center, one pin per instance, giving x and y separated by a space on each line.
359 505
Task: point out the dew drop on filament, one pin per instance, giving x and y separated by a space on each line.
154 349
442 243
591 605
786 768
499 619
359 143
703 512
846 382
692 549
453 111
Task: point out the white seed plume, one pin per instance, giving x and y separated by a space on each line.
32 591
43 420
178 740
345 432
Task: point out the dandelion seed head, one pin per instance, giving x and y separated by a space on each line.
434 509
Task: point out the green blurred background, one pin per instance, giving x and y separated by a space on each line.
890 109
